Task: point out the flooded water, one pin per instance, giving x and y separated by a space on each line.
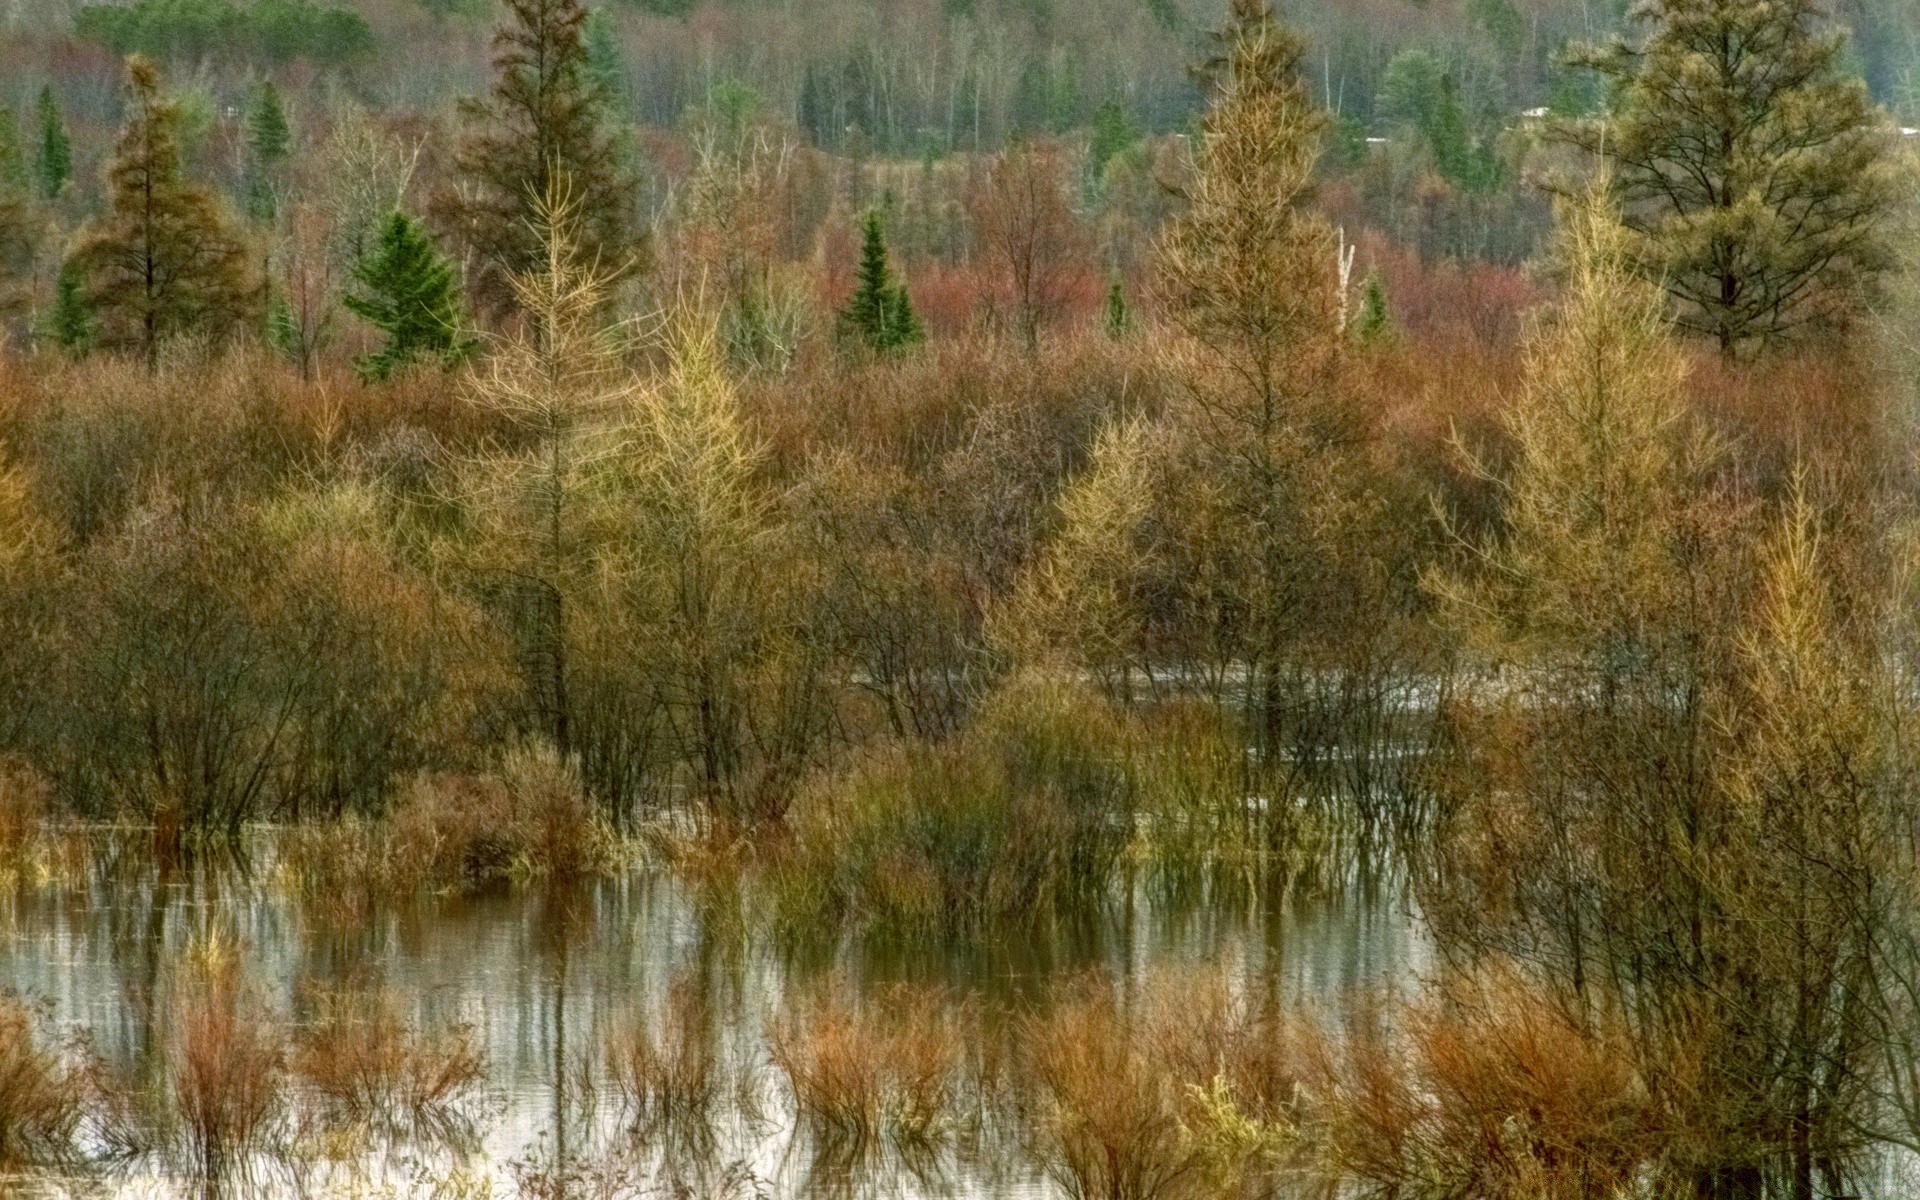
540 978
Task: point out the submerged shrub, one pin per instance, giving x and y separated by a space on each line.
862 1066
227 1068
1028 813
368 1065
40 1097
1189 1091
664 1065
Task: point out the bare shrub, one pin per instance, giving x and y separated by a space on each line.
40 1095
227 1061
369 1066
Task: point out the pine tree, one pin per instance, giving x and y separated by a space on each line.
879 315
167 258
546 119
269 142
55 165
1119 316
606 65
1757 176
409 294
70 320
1372 322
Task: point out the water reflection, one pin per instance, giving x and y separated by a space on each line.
553 983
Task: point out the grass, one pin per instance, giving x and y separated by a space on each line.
861 1068
664 1066
359 1057
452 832
227 1066
40 1096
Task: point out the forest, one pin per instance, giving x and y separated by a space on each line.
1112 599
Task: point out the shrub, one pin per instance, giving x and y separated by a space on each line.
860 1067
663 1066
40 1098
227 1062
1028 814
360 1057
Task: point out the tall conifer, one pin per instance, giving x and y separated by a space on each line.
1753 169
55 163
546 119
167 258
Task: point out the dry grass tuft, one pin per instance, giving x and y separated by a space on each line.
673 1078
40 1097
227 1060
368 1066
860 1068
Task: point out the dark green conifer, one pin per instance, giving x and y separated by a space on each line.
269 142
1119 316
55 165
408 292
69 323
1371 322
880 313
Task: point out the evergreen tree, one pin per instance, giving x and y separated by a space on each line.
1113 135
606 66
1371 323
69 322
408 292
880 315
55 165
1119 316
167 258
546 119
269 142
1756 176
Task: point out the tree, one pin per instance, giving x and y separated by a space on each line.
880 314
1756 176
55 163
269 142
1248 275
555 377
70 321
545 119
1373 323
166 259
1021 210
410 295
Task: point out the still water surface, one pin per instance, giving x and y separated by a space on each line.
541 977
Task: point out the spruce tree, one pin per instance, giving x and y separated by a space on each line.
69 323
408 292
167 258
879 315
545 119
55 164
1119 317
269 142
1371 324
1754 171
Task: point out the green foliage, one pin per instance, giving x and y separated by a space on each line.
1372 322
664 8
1572 90
69 323
1113 135
408 292
55 163
269 142
1417 94
606 65
1119 316
880 314
1504 25
1758 174
274 30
